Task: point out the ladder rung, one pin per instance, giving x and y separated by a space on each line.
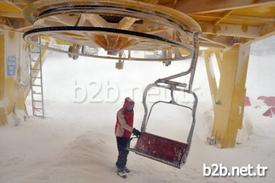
38 101
38 112
36 85
41 115
36 93
35 61
35 74
37 108
36 77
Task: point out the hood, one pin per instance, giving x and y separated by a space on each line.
127 102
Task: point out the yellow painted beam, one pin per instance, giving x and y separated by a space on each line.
231 30
258 11
9 7
202 6
227 14
230 96
126 23
3 118
11 48
11 15
211 77
2 66
150 1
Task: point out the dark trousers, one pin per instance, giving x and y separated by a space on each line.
122 152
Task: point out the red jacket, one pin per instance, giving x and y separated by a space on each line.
125 119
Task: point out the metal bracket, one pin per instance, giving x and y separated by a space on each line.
168 84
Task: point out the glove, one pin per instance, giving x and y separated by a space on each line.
136 132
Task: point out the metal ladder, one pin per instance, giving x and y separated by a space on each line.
36 80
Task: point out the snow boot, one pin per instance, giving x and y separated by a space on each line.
121 173
127 170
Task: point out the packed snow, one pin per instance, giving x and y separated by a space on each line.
75 143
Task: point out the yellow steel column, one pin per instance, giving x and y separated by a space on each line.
210 74
3 118
23 68
12 48
228 98
12 64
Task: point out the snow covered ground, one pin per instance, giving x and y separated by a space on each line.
75 143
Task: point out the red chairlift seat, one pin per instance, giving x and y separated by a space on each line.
161 149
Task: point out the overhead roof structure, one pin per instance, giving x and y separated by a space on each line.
222 21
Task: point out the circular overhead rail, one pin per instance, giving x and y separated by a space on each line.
122 29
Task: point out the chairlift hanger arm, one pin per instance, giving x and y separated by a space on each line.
192 67
179 150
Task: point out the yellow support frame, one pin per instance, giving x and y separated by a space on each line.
12 46
228 98
12 93
3 118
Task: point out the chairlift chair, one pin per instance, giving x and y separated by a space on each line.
168 151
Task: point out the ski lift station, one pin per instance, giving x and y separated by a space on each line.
200 53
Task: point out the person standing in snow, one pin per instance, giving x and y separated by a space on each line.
123 131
